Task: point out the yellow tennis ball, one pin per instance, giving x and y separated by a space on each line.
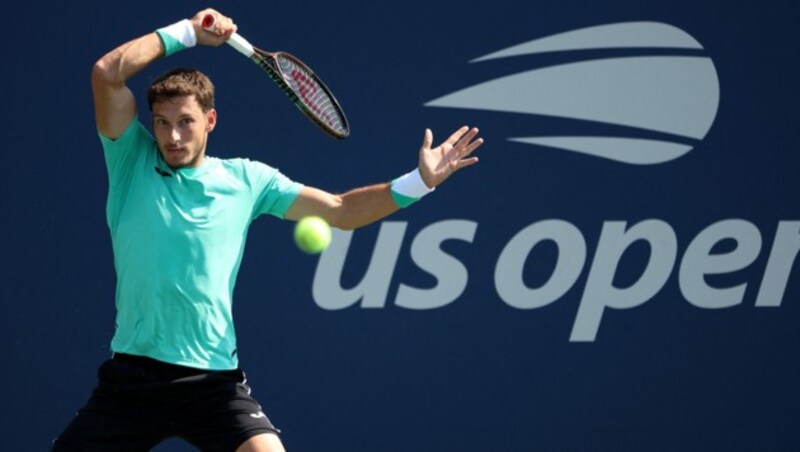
312 234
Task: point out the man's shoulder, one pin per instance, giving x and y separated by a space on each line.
135 133
244 166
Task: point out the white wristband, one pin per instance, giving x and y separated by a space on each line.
178 36
410 187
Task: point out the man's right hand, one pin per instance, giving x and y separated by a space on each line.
223 28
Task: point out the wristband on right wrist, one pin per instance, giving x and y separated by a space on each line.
177 36
409 188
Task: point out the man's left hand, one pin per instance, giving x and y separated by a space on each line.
439 163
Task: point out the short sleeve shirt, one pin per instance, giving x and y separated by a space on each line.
178 238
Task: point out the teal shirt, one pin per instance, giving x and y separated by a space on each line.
178 238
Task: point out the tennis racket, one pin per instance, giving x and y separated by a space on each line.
298 82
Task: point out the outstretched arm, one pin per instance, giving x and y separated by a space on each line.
114 103
365 205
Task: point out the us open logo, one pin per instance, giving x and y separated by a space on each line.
666 101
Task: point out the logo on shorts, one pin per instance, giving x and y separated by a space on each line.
258 415
639 93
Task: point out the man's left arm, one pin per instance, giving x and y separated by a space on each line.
362 206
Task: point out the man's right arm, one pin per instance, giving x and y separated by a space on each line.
114 103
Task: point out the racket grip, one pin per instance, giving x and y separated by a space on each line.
236 40
209 22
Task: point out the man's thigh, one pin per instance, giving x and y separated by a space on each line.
224 417
107 423
265 442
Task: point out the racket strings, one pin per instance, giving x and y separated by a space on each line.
311 93
275 76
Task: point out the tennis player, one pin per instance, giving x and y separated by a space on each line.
178 219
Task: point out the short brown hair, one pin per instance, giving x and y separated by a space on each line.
182 82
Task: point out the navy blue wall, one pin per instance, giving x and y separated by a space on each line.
636 346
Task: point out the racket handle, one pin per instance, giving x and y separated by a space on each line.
236 40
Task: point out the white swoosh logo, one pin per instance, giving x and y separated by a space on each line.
676 95
609 36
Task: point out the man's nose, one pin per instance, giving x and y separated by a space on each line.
174 135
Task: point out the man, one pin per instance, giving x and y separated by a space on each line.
178 219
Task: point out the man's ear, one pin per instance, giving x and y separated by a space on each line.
211 120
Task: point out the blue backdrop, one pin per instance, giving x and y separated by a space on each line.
617 273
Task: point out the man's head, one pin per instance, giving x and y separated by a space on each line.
182 103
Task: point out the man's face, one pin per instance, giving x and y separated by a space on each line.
181 129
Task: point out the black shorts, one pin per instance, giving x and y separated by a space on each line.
139 402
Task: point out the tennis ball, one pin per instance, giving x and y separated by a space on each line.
312 234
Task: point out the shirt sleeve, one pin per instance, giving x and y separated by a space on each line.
122 153
123 156
274 192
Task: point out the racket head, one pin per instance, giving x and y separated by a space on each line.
306 90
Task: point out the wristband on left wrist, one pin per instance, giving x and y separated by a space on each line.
409 188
